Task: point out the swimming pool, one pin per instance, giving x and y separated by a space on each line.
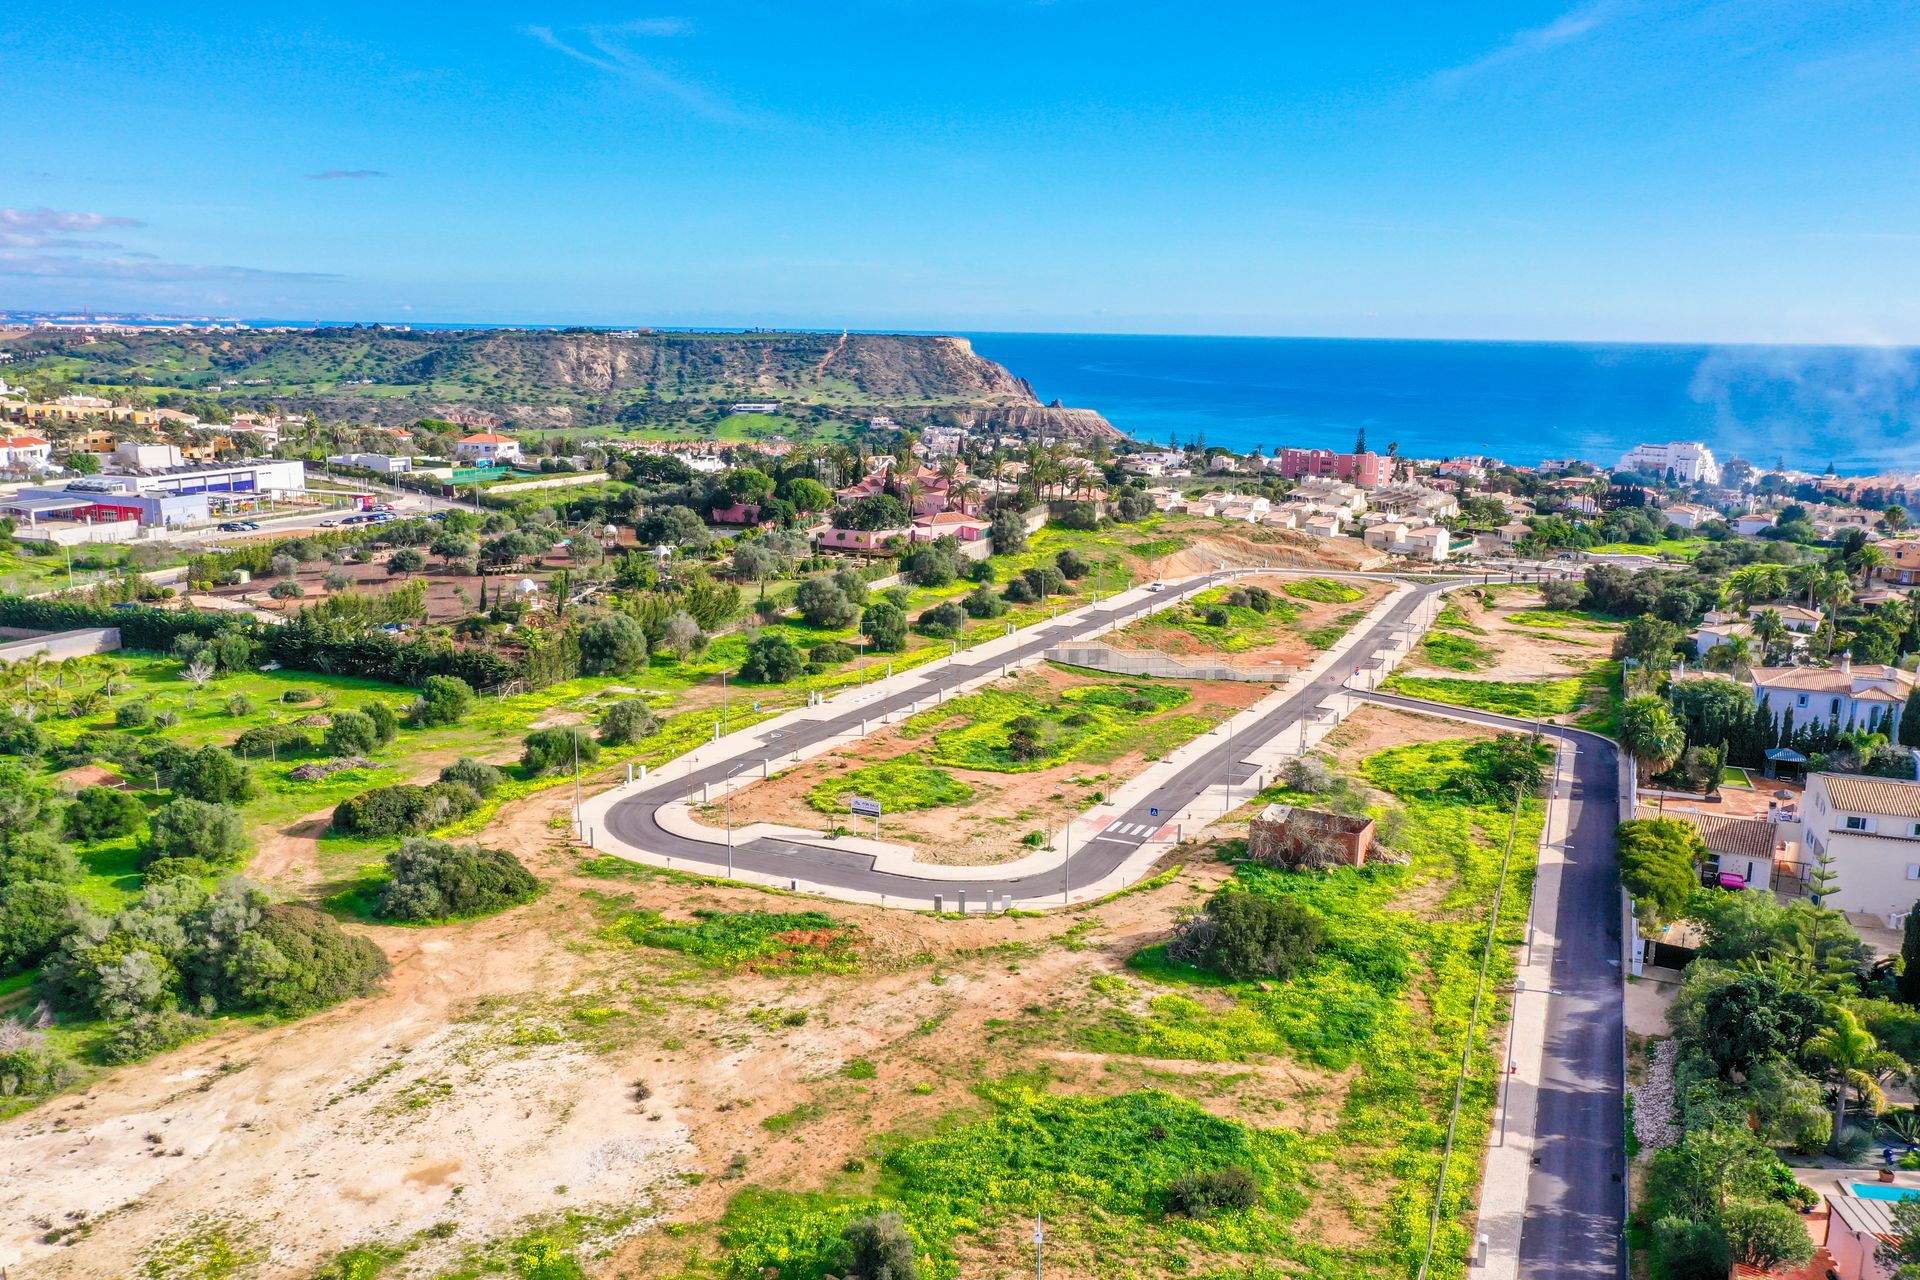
1884 1191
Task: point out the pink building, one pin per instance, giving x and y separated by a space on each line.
870 541
1365 469
949 524
738 513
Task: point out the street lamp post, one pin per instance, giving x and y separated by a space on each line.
729 786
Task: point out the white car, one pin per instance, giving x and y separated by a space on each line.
1156 586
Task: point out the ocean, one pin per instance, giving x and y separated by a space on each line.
1856 408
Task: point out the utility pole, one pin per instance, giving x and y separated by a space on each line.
1039 1243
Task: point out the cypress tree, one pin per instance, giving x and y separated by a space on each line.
1910 958
1910 720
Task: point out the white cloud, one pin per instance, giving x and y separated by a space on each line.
608 47
1569 28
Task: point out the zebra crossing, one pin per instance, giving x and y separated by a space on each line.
1134 832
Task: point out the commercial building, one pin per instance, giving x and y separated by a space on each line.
77 504
1690 460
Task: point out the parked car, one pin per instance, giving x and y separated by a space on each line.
328 524
233 526
436 515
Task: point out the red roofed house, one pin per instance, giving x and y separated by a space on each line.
488 447
18 453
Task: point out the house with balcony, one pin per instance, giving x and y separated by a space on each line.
1870 828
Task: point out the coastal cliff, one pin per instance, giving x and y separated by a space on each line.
536 377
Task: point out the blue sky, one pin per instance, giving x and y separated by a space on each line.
1615 170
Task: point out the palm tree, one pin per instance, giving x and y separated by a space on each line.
1853 1054
1770 630
1650 733
1894 518
1867 561
1753 584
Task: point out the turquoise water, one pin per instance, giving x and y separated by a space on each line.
1884 1191
1856 407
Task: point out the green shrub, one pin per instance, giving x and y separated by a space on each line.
830 653
404 809
1249 936
943 621
20 736
1204 1194
351 734
772 659
443 700
296 697
133 715
435 880
188 828
34 916
386 723
239 704
876 1246
102 813
215 775
323 964
276 739
613 645
146 1034
557 749
481 777
628 722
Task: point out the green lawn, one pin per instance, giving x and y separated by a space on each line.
1323 591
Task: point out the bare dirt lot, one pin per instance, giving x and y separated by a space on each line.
1005 807
494 1080
1282 643
1514 649
534 1062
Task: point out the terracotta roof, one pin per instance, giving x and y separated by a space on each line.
1829 679
1789 611
487 437
1741 837
1862 794
21 442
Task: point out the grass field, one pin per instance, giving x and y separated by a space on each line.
1323 591
1089 724
1389 992
1454 652
1564 619
899 785
1506 697
1671 548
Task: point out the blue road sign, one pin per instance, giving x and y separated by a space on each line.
1153 813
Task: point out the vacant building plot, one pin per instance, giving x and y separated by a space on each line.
1499 649
1257 621
641 1073
996 774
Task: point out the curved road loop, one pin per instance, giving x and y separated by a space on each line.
633 819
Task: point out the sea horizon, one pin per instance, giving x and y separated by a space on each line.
1810 406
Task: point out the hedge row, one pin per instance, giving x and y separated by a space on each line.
140 628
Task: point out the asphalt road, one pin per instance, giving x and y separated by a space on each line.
1576 1200
633 819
